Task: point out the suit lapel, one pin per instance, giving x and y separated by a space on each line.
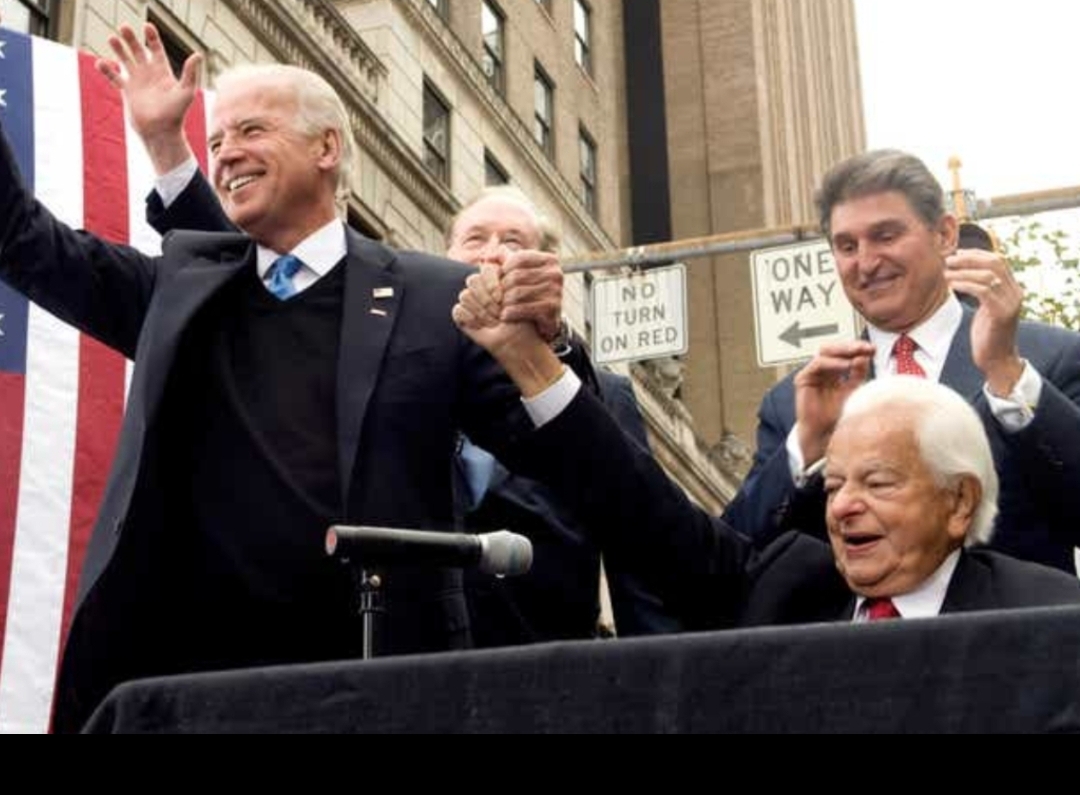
373 296
960 372
188 291
970 588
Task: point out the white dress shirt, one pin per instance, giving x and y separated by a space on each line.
320 253
935 338
926 601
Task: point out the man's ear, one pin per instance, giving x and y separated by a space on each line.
332 150
948 235
967 496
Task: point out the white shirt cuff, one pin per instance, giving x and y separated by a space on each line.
549 404
1017 412
799 473
171 185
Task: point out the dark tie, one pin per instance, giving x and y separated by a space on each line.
880 610
904 351
280 276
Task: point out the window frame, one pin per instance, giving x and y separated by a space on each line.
431 149
541 77
583 42
497 77
42 17
492 165
590 183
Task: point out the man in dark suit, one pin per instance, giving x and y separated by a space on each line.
559 599
285 380
912 493
896 251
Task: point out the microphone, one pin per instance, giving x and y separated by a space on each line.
500 554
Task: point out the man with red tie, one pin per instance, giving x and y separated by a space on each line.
911 489
896 251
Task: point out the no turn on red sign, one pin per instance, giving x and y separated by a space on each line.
640 316
799 303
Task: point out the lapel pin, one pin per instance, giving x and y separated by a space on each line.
384 292
379 313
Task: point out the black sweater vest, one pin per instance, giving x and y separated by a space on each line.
254 478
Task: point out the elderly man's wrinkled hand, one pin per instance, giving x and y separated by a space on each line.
532 284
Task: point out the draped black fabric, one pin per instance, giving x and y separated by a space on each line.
1007 672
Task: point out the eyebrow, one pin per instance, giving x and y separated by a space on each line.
219 134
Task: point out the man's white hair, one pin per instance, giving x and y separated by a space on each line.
549 236
319 108
950 435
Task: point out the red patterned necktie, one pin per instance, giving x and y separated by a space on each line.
904 352
880 610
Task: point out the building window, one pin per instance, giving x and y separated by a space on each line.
29 16
588 173
176 50
494 174
493 27
440 7
583 36
546 5
544 122
436 134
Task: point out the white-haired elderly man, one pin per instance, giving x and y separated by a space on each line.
912 494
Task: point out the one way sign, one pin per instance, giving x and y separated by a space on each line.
799 303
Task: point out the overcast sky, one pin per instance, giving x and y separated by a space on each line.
996 83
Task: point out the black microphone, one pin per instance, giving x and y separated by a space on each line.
498 554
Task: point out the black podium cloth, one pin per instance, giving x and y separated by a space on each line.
1008 672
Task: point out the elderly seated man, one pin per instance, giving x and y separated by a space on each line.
912 497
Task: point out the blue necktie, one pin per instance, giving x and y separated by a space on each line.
479 466
281 275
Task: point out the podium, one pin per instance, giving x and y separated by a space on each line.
1007 672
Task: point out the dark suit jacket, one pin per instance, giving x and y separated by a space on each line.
714 576
559 598
408 383
1039 467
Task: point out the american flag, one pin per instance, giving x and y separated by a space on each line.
61 394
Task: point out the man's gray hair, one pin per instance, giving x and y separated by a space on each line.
950 434
883 171
319 109
550 240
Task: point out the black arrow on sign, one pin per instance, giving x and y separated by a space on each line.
795 335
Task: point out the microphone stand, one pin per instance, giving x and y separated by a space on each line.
368 588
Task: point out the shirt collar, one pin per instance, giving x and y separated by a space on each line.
934 337
927 600
320 252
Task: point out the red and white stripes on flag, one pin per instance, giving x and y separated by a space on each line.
61 394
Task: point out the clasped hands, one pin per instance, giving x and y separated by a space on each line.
514 297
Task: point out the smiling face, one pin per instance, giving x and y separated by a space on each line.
491 229
275 182
891 524
891 262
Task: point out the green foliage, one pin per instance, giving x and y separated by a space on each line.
1047 262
